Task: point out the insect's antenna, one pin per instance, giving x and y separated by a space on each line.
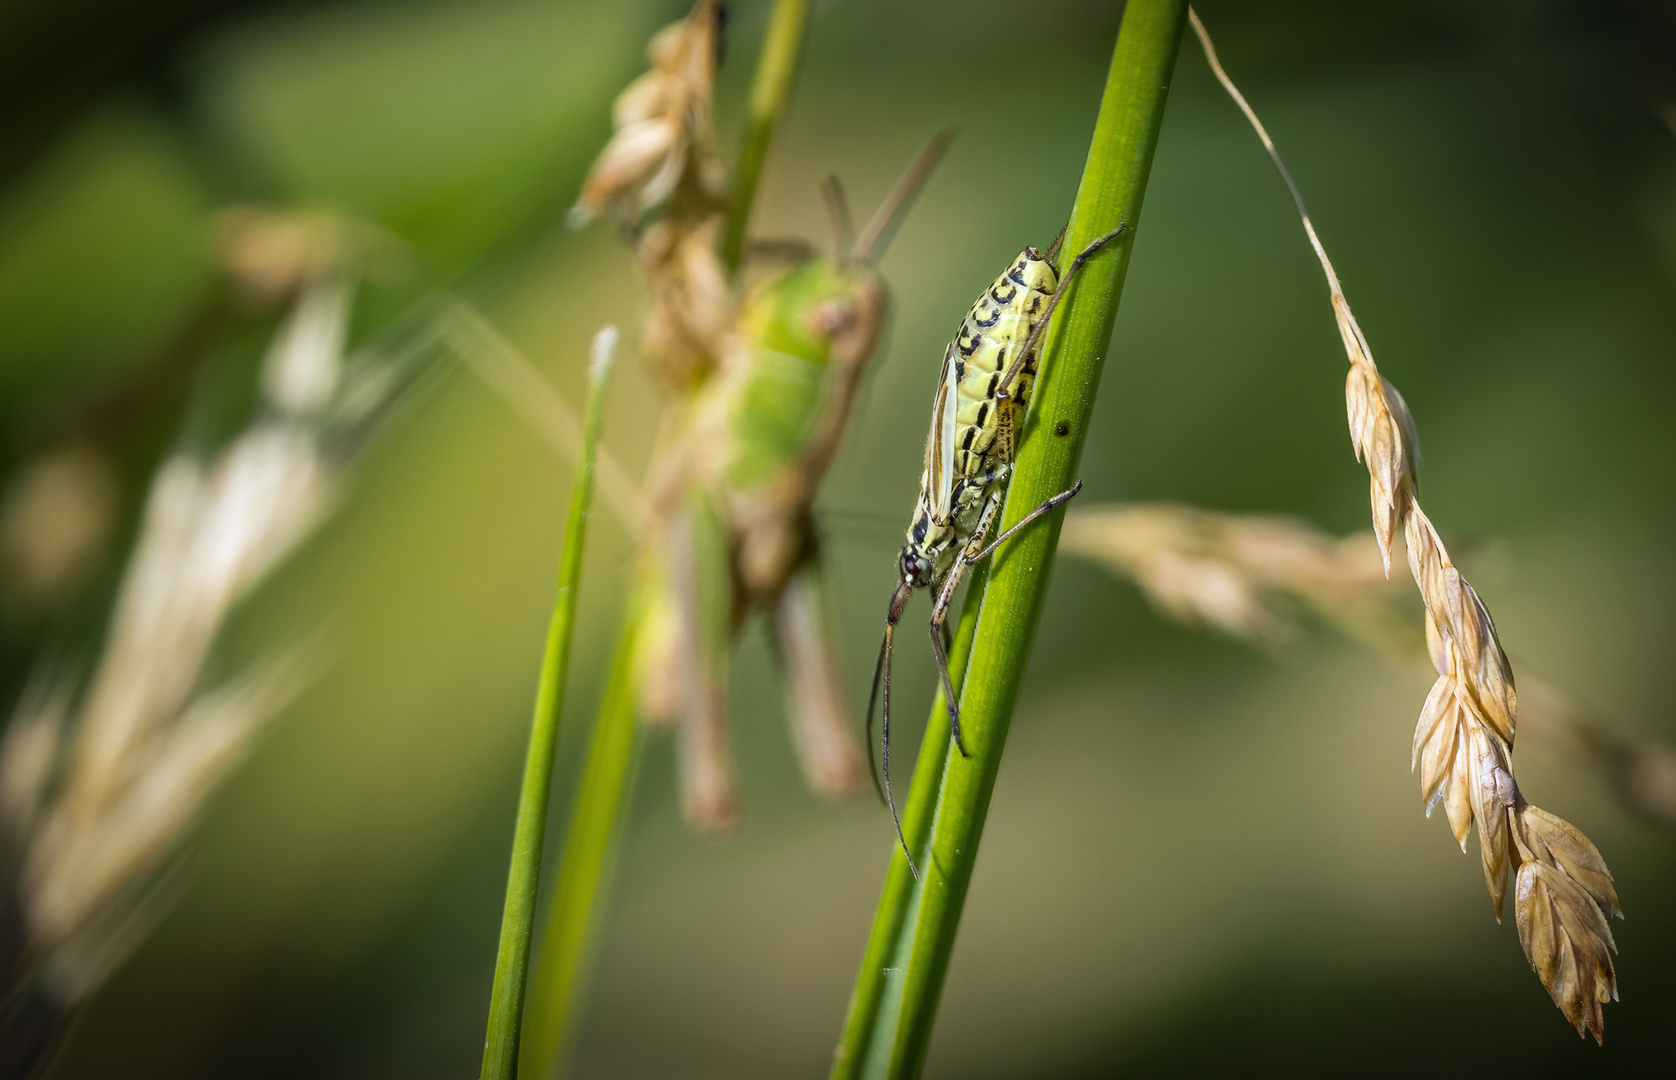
871 244
838 213
1005 387
879 668
881 681
884 754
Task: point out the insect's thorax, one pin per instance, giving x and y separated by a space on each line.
964 454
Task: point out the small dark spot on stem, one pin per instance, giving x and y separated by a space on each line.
1062 429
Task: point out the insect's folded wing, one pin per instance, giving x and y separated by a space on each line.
939 443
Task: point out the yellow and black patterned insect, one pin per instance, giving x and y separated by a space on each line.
988 372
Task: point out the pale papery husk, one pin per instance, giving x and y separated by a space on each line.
1492 792
1567 940
1460 615
1381 431
663 127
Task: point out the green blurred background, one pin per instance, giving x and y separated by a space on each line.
1199 856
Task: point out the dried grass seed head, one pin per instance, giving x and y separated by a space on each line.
691 314
1466 729
662 126
147 744
1229 571
56 515
1563 895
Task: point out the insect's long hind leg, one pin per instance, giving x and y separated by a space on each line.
1058 500
939 623
940 614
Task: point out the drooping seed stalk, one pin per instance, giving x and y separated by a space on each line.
893 1040
595 824
506 1000
770 90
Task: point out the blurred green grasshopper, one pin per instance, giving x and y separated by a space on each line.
737 501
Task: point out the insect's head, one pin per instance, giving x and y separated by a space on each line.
915 566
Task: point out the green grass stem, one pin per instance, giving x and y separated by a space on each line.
585 872
770 90
506 1000
871 991
895 1042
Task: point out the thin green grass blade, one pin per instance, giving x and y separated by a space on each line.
589 857
1113 183
506 999
770 89
590 850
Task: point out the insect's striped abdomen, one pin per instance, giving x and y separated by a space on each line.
988 342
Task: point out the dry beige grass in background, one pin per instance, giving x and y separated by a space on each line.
100 782
1463 743
1246 574
662 155
1227 570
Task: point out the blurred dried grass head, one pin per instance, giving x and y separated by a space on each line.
54 520
1235 572
660 176
101 778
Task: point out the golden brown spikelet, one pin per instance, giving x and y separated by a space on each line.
1563 896
1382 431
660 177
1463 743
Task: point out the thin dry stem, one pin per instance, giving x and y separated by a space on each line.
515 378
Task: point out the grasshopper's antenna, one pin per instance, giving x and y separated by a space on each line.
871 244
838 213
